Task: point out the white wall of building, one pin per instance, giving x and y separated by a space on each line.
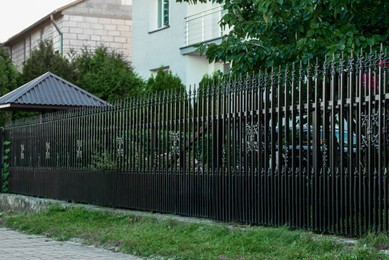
197 67
155 48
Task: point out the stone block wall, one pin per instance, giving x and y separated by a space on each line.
21 49
94 23
90 24
91 32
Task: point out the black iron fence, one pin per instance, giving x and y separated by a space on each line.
305 146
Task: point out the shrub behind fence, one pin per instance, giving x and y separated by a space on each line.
305 146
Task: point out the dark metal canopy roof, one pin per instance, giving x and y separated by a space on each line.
49 92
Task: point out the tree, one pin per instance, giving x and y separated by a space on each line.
274 32
107 74
8 73
8 80
172 90
44 59
162 81
211 81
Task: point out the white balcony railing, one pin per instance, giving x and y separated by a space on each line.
204 26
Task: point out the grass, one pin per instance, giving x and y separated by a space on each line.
150 237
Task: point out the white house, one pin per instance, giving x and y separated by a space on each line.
89 23
165 33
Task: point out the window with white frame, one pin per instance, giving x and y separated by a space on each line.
162 13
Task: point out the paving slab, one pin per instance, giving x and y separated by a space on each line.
16 246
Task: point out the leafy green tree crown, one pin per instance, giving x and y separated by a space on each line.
44 59
274 32
164 80
107 74
8 72
8 80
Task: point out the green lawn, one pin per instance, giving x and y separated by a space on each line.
148 236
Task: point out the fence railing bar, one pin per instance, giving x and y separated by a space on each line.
305 146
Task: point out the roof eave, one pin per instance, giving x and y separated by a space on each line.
36 108
46 18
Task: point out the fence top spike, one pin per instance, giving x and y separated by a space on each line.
381 47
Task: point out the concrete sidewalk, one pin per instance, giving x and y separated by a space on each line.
16 246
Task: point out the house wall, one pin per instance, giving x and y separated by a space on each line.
98 22
197 67
90 24
155 48
21 49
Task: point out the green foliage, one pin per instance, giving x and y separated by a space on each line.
162 81
107 74
16 115
44 59
210 81
104 73
174 92
171 239
104 161
8 80
6 158
267 33
8 73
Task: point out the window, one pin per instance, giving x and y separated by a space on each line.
165 69
162 13
159 15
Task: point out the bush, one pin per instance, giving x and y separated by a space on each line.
164 80
107 74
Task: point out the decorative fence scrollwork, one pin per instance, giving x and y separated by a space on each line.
305 146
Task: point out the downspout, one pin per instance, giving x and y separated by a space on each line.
60 35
